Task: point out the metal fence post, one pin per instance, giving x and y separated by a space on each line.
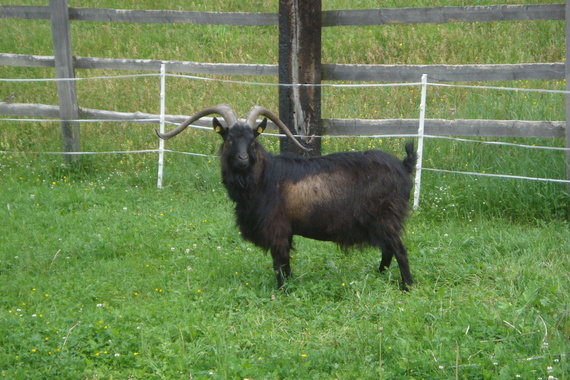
420 150
162 112
567 73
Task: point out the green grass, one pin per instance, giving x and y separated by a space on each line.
106 276
102 275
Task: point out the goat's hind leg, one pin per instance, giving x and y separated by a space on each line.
281 265
402 258
394 247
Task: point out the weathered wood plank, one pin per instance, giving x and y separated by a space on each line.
443 73
300 63
330 18
64 69
29 110
495 128
169 17
180 67
51 111
442 127
363 73
24 12
26 60
144 16
333 127
443 14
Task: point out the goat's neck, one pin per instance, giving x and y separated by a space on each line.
241 186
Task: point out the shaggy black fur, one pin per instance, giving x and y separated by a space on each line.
350 198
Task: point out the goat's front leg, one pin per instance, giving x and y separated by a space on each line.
280 254
387 255
386 260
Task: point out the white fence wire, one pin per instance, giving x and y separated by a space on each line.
423 84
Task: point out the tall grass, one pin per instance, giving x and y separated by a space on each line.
104 276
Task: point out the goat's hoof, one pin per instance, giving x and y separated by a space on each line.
382 268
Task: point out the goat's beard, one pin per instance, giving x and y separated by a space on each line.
238 183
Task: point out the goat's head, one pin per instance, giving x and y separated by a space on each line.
239 138
239 148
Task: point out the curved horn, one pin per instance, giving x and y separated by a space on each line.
258 110
221 109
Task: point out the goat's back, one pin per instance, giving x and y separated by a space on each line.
349 198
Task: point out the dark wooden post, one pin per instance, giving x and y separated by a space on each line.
68 109
567 68
300 25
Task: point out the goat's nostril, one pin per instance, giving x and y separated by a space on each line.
243 156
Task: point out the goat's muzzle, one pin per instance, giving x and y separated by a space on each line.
241 161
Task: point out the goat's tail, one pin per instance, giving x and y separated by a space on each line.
411 158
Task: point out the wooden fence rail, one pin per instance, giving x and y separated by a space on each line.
330 72
334 127
358 17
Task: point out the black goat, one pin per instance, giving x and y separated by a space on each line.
350 198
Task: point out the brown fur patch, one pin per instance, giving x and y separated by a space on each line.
303 196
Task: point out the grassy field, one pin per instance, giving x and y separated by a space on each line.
106 276
102 275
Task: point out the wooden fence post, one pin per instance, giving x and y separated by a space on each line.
300 23
68 109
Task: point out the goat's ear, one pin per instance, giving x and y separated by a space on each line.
218 127
260 127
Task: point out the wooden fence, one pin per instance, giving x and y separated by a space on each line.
329 72
336 72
